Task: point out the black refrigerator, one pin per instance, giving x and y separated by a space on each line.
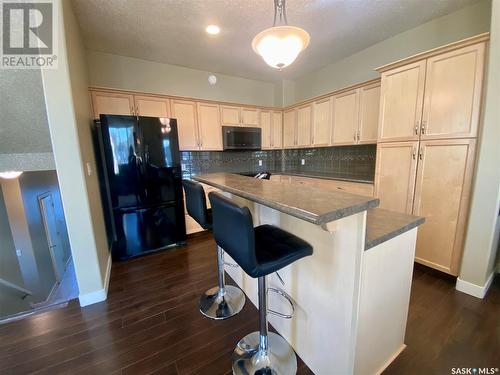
141 184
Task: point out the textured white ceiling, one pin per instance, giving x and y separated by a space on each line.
173 31
23 125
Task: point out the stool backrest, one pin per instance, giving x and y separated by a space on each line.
196 203
233 230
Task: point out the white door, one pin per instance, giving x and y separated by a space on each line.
53 239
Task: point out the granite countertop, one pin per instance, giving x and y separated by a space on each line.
315 205
325 175
382 225
321 175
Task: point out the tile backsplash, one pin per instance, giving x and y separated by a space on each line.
197 162
356 162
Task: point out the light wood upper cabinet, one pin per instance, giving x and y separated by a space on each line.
151 106
395 175
304 120
187 124
442 196
230 116
369 104
289 128
249 116
112 103
277 129
322 122
266 129
345 118
209 125
401 100
239 116
452 96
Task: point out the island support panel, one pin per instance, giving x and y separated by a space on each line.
336 288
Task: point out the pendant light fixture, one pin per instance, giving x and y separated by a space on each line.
10 174
279 46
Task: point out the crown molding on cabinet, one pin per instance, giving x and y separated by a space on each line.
176 97
484 37
336 92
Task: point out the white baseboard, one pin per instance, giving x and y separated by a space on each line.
99 295
473 289
108 273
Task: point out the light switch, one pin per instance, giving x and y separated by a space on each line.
18 253
302 161
260 163
89 169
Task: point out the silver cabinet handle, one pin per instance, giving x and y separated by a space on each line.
422 128
359 135
414 153
421 154
417 126
137 110
132 110
355 135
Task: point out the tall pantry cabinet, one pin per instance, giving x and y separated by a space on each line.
428 124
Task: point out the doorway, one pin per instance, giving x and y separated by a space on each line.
49 220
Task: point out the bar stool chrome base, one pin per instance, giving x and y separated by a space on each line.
279 359
218 305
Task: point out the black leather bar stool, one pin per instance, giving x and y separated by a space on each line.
222 301
258 251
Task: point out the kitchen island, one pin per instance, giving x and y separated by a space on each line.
351 296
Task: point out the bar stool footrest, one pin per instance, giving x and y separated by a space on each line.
287 298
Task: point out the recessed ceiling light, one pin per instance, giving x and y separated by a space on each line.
212 29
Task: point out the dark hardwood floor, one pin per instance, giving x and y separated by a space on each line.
151 324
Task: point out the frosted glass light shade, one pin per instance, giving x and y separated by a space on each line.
279 46
10 174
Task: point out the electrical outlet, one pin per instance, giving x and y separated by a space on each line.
302 161
18 253
260 163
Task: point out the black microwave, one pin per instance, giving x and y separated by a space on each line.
241 138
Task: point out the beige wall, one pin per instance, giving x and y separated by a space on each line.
359 67
482 235
127 73
68 112
40 285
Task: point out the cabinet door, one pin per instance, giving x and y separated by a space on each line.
442 196
250 117
304 120
395 175
111 103
452 96
345 118
230 115
401 100
322 122
187 124
277 129
209 127
266 125
369 104
152 106
289 128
